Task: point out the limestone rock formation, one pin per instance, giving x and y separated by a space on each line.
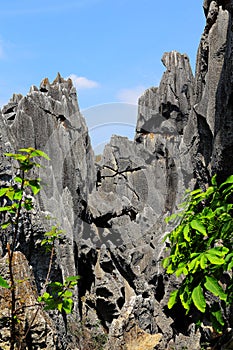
113 211
139 183
209 133
48 118
172 100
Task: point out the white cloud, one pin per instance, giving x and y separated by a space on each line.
131 95
82 82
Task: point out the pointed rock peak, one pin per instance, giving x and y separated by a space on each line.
45 81
174 59
33 88
45 85
206 6
70 83
16 98
67 83
58 79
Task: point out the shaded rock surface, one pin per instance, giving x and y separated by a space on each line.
41 334
172 100
113 211
209 131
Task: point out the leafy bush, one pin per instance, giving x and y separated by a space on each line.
18 198
201 252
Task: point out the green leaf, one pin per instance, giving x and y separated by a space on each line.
170 269
28 204
18 195
16 156
4 283
3 191
67 306
230 265
216 318
193 265
215 260
214 180
26 150
186 233
166 262
199 299
10 193
67 294
172 299
185 299
198 226
229 257
72 278
218 315
198 190
26 166
209 191
229 180
60 306
203 261
213 286
5 225
228 226
219 251
181 269
171 218
35 186
6 208
56 286
18 179
38 153
46 296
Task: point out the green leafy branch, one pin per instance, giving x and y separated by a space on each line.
16 197
201 252
60 296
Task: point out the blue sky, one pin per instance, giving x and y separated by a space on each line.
112 49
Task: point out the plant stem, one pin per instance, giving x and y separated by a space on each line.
13 300
17 217
43 290
50 265
11 272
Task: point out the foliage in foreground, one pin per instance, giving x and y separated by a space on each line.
201 252
17 199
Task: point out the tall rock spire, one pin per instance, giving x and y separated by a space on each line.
210 130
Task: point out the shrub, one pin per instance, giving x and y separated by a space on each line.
18 198
201 252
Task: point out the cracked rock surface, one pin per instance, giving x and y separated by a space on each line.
113 211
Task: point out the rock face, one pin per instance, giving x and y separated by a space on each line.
209 133
172 100
113 211
48 118
139 183
26 298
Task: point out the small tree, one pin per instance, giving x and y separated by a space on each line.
18 198
201 252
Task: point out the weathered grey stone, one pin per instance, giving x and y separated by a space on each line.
171 100
51 121
114 215
209 133
41 333
139 183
